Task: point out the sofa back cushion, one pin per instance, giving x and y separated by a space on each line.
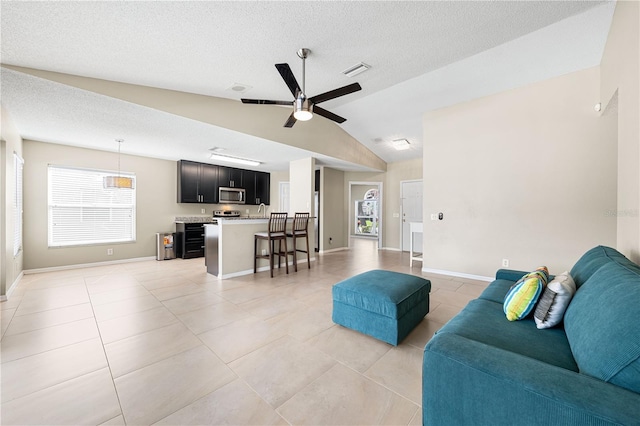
602 324
594 259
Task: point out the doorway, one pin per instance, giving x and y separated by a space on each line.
411 205
365 211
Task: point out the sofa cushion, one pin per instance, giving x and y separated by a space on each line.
594 259
497 290
602 325
554 301
523 296
483 321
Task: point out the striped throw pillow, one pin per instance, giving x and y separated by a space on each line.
524 294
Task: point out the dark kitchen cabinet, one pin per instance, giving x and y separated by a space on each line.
257 186
229 177
190 240
263 187
197 182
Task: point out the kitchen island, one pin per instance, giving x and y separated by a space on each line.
229 244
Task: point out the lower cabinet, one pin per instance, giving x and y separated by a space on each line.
190 238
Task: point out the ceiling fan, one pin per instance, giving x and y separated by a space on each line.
304 107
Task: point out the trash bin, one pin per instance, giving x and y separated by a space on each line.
165 249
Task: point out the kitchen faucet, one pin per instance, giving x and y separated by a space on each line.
264 212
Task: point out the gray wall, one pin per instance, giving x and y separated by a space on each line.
157 207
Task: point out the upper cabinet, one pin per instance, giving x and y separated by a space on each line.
229 177
199 183
257 186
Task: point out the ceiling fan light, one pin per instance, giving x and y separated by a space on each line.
302 109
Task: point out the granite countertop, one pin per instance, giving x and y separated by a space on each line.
193 219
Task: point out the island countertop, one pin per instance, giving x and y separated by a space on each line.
229 246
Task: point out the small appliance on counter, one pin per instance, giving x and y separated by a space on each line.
226 213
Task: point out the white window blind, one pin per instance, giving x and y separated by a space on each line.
83 212
18 164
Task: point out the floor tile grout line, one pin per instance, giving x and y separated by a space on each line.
106 358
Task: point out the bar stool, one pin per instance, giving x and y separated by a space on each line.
300 230
276 231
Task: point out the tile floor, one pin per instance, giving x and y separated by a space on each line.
164 342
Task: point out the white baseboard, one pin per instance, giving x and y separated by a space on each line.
260 269
390 248
12 287
87 265
333 250
457 274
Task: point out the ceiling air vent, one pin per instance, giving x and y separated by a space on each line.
356 69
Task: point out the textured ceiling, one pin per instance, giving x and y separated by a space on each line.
424 55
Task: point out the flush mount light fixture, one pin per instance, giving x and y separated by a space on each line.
121 182
400 144
356 69
235 160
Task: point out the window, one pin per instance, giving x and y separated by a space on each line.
83 212
18 166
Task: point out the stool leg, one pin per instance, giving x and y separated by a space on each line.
286 261
308 252
271 257
255 254
295 255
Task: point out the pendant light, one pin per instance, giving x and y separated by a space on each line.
118 181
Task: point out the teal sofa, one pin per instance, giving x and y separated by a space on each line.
481 369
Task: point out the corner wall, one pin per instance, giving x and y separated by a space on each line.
333 234
527 175
620 71
10 266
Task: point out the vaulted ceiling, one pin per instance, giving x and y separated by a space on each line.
423 56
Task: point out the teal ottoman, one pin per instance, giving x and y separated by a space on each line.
383 304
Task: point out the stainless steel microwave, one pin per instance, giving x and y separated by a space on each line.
231 195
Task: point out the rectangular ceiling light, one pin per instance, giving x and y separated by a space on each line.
356 69
235 160
400 144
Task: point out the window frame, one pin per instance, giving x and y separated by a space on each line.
109 208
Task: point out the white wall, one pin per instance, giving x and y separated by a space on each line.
301 185
528 175
621 82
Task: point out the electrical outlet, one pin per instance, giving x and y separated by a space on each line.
434 216
109 252
203 211
247 212
505 263
264 252
330 240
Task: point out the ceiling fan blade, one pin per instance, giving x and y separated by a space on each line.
266 102
327 114
335 93
289 78
290 121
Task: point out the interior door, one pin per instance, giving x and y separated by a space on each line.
411 194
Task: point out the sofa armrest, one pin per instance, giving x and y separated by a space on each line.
468 382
